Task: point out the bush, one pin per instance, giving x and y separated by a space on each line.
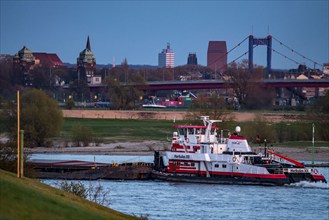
259 130
82 135
8 158
93 193
77 189
41 117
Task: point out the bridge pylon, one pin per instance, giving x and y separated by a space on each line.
260 41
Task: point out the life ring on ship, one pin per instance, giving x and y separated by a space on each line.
235 159
315 171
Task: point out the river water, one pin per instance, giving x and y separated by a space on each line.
165 200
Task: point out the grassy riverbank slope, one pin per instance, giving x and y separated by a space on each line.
29 199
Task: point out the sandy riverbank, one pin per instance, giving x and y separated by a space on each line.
148 147
173 115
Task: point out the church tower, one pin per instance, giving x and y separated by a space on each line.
23 62
86 64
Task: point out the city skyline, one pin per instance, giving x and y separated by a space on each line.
137 30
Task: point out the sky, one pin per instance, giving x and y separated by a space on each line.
139 30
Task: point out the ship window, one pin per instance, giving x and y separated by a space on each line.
185 164
191 131
224 165
181 131
216 165
192 164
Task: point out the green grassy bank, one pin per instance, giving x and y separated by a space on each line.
118 129
29 199
115 130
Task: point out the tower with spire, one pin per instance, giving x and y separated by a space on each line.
86 64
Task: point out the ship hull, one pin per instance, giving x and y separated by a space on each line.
275 180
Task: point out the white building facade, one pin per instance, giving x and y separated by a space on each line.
326 68
167 58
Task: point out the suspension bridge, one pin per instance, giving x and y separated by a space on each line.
266 82
267 41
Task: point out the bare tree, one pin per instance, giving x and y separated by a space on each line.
237 76
246 86
124 97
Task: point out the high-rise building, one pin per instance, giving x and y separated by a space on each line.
86 63
217 56
191 59
167 57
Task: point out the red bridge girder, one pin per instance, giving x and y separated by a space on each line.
220 84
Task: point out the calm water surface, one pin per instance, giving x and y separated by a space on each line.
165 200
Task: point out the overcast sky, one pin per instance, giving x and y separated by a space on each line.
139 30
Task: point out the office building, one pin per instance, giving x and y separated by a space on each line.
167 58
192 59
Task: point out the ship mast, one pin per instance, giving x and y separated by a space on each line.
208 123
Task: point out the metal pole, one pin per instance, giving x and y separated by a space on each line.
313 143
18 139
22 153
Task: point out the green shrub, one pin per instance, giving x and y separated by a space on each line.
93 193
82 135
77 189
259 130
41 118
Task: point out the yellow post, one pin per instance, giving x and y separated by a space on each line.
18 139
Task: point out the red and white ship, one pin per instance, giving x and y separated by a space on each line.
202 155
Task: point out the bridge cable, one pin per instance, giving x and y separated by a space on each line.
294 51
245 53
271 48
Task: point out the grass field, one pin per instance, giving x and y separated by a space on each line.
115 130
303 144
128 129
29 199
